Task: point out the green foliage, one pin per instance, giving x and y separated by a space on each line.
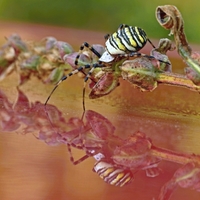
100 15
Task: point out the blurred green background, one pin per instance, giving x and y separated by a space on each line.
104 15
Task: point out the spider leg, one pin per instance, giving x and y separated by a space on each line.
91 48
64 78
75 162
151 43
121 26
106 36
88 46
81 146
90 151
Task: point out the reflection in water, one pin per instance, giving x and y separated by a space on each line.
117 159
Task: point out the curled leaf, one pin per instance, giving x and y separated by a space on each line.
101 126
169 17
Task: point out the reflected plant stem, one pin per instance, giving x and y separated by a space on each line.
177 80
172 156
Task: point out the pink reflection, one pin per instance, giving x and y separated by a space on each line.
117 160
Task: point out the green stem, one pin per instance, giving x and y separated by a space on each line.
190 61
177 80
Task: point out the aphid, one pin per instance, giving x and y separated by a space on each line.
113 175
121 45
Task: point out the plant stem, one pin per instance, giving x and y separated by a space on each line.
177 80
173 156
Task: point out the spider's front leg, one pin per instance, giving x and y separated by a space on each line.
89 47
81 68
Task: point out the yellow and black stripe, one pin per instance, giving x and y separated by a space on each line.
113 175
126 39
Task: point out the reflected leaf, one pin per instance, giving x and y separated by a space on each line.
8 121
100 125
95 136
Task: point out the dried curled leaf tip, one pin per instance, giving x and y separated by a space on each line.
167 17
